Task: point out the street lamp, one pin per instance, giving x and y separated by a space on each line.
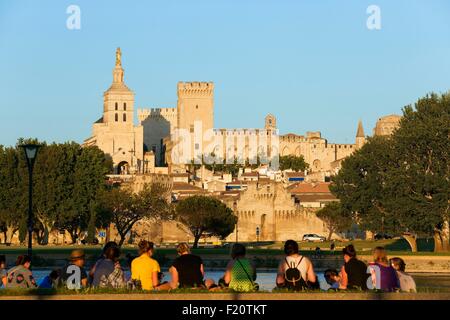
237 220
30 151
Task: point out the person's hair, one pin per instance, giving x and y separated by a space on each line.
290 247
112 253
349 251
183 248
145 246
2 259
398 263
328 274
379 255
22 259
237 250
110 244
54 274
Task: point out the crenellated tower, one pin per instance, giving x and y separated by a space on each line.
195 103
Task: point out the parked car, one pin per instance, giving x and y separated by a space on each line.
381 236
313 237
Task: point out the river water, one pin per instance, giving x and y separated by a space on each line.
266 280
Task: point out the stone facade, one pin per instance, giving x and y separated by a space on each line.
115 132
386 125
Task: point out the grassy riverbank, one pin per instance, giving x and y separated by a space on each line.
394 246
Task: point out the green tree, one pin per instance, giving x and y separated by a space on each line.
205 215
360 185
420 177
54 184
125 208
12 193
335 217
296 163
89 177
400 184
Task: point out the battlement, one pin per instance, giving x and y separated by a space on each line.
156 113
195 88
244 132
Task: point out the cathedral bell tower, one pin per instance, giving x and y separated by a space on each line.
118 100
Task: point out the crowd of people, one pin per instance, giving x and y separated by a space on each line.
295 272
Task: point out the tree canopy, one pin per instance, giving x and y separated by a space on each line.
336 218
125 208
296 163
205 215
66 181
401 183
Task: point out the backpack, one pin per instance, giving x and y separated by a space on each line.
293 277
114 280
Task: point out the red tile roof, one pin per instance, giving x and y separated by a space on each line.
308 187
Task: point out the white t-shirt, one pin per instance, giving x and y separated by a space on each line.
303 266
407 282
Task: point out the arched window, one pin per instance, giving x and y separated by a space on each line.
117 106
124 106
116 116
124 117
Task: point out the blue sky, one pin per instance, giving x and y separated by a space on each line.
313 64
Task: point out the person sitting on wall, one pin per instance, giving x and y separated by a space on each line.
75 266
354 272
407 283
295 272
332 278
187 270
145 271
240 273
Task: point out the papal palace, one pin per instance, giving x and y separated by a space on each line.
271 205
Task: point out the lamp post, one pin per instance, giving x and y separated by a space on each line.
30 151
237 220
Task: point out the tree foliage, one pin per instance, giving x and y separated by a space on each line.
66 180
295 163
205 215
336 218
401 183
124 208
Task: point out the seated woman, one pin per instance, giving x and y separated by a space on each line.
144 269
295 271
21 276
108 273
240 273
407 283
383 276
187 270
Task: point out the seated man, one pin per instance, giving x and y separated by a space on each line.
73 274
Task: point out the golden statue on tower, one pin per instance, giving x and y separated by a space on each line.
118 57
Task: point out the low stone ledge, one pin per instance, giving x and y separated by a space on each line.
240 296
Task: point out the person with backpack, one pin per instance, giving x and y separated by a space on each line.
240 273
295 272
108 272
